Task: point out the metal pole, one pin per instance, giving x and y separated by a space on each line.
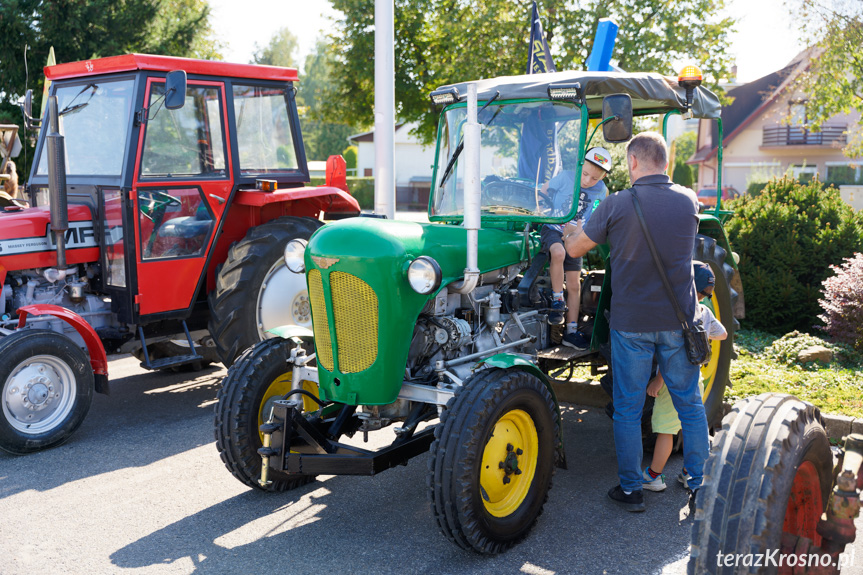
385 105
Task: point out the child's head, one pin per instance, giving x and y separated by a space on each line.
704 279
596 166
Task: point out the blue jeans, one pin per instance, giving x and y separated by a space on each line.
631 360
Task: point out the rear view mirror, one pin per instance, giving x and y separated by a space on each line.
175 89
618 107
28 104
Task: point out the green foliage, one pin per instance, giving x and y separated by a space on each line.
834 81
787 238
843 303
684 148
279 51
444 41
350 156
81 30
755 188
362 189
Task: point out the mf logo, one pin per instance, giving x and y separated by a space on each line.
89 65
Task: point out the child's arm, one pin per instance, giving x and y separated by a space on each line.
715 329
655 385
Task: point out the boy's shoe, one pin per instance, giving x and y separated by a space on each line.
633 502
555 316
576 340
683 479
652 484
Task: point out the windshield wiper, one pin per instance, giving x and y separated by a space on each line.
460 146
70 108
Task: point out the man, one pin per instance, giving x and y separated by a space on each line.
643 322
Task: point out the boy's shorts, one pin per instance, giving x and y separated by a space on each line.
664 419
550 236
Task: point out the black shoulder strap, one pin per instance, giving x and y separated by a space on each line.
656 259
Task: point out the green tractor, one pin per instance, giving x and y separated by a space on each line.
442 328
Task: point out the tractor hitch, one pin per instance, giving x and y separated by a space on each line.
296 444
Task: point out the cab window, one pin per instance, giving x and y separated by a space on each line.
264 136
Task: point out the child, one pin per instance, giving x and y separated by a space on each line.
664 421
593 190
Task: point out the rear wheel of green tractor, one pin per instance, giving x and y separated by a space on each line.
255 292
769 473
258 377
493 460
716 373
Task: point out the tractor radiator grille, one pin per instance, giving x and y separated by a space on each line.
355 313
321 327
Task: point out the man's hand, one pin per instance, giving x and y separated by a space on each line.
575 241
655 385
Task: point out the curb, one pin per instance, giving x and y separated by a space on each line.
591 394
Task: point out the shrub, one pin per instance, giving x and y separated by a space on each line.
843 303
787 238
350 155
755 188
363 189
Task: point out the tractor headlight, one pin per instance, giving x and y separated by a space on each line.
294 255
424 275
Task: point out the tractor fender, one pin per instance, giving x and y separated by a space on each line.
513 361
321 198
289 331
98 357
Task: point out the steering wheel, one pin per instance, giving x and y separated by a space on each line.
517 193
156 203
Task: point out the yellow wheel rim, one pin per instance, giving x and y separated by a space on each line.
509 463
708 372
280 386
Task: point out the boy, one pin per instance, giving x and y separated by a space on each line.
593 190
664 421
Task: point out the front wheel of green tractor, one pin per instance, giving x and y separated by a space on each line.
260 376
493 460
255 292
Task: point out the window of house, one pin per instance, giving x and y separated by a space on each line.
804 173
844 175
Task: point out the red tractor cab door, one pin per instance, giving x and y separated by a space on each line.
181 187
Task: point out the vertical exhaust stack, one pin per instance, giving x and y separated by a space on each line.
56 147
472 189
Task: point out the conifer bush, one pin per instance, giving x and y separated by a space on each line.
787 237
842 303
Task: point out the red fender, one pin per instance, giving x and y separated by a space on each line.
98 357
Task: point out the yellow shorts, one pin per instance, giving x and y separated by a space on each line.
664 419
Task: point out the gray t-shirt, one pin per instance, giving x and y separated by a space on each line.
639 301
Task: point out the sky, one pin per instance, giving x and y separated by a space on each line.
764 41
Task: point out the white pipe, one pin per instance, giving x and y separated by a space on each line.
385 98
472 200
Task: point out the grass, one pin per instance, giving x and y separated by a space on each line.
763 365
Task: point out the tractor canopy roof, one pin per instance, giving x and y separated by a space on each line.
649 91
131 62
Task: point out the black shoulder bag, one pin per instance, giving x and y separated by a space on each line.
694 336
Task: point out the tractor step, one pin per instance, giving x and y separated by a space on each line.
563 353
173 361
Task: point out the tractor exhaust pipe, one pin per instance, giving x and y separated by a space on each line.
56 147
472 200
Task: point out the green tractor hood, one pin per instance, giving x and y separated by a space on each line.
363 308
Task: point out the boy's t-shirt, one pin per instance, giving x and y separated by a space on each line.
563 185
712 326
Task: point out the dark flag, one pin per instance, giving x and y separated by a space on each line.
538 56
538 158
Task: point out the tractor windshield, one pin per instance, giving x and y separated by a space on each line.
528 160
95 119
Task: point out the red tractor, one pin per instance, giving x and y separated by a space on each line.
161 197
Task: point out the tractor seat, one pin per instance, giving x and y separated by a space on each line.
187 227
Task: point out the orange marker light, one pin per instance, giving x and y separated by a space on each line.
690 77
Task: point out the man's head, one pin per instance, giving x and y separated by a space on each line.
705 280
596 166
646 155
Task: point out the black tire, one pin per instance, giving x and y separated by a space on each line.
769 446
54 406
248 385
716 374
460 502
234 302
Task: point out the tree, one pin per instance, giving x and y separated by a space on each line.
833 82
684 148
80 30
279 51
445 41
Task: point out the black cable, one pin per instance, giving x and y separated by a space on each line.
306 393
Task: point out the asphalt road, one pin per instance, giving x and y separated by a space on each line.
140 488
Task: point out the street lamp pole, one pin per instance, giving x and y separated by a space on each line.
384 173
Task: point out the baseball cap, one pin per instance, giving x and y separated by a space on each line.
704 277
599 156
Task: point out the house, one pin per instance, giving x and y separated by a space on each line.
759 140
413 164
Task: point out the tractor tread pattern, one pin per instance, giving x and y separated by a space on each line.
457 435
236 418
747 478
